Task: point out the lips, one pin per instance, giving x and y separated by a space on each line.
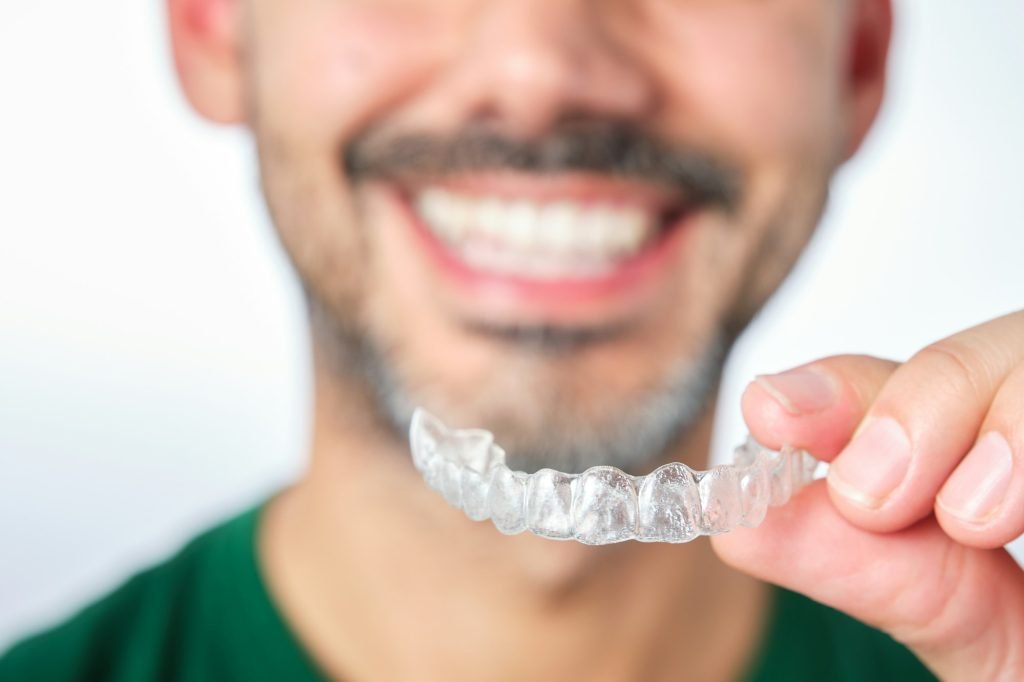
547 247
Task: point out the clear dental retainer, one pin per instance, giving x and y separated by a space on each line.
603 504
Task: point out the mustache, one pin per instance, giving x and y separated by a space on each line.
597 147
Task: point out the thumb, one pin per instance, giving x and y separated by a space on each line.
960 609
817 406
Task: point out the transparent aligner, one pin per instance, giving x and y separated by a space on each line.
721 502
603 505
669 505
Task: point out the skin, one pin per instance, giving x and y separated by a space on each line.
785 91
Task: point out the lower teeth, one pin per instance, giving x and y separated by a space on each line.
537 266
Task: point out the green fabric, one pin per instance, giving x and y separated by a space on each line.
206 616
809 641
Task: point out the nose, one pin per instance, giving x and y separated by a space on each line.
529 63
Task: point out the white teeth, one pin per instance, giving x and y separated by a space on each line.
429 206
493 258
490 217
557 221
520 227
550 240
630 227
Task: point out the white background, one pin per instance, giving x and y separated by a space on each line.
153 365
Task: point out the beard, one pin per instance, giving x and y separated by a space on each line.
541 419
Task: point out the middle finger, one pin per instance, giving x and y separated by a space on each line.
922 423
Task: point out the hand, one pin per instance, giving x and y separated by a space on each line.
925 487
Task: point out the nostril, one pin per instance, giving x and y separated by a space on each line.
530 64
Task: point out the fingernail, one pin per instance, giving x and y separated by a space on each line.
800 391
873 464
978 485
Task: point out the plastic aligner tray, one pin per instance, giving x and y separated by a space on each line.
603 504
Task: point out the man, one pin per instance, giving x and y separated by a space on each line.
551 218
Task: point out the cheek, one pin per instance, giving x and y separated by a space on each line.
320 73
758 79
325 70
761 83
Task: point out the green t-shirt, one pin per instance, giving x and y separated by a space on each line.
206 616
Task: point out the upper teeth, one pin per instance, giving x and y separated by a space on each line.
548 239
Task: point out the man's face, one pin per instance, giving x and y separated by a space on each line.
545 217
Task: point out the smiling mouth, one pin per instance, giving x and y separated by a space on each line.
548 235
542 241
